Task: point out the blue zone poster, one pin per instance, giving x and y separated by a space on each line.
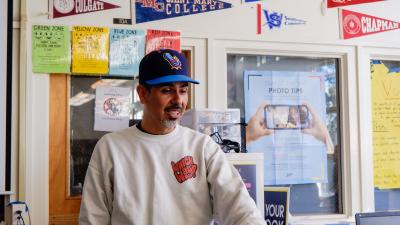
151 10
292 155
126 51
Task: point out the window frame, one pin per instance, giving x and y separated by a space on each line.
364 56
348 83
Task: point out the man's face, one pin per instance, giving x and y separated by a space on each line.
164 105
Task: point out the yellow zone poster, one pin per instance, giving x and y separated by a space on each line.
386 125
90 46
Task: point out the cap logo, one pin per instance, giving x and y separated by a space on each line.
173 61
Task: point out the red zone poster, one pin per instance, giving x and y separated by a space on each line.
338 3
354 24
158 39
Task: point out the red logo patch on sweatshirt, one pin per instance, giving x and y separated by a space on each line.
184 169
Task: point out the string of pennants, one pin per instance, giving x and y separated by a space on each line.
352 24
95 50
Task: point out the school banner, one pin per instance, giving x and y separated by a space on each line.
50 49
151 10
354 24
63 8
158 39
90 47
338 3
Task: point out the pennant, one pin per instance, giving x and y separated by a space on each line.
275 20
63 8
354 24
338 3
151 10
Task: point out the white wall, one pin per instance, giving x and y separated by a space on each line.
211 36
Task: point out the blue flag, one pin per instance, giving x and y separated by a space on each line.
150 10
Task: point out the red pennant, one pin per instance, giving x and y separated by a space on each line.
354 24
63 8
338 3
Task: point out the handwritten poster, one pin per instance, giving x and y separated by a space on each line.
50 49
90 50
386 125
112 109
157 39
291 105
126 51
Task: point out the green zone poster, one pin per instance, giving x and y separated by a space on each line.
50 49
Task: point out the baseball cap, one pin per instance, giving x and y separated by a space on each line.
164 66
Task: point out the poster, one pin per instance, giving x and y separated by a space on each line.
385 83
338 3
112 109
147 10
126 51
292 107
276 202
354 24
50 49
248 172
157 39
90 50
63 8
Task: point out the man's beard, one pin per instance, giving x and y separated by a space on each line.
169 123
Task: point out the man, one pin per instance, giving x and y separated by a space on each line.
159 172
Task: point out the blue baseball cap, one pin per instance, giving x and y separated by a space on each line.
164 66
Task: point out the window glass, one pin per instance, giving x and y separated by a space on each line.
82 136
385 81
309 197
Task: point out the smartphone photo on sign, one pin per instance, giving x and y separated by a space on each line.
287 117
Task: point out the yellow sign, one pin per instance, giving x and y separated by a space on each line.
386 126
90 50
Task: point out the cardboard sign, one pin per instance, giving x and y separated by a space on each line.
151 10
354 24
338 3
63 8
276 201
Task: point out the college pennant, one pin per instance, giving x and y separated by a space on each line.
63 8
151 10
354 24
338 3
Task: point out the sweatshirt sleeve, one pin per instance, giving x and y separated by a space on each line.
97 196
231 200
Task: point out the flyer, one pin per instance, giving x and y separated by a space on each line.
50 49
126 51
385 83
112 108
90 47
291 103
157 39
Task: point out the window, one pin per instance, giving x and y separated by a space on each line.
306 198
385 82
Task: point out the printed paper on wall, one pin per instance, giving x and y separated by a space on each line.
290 103
50 49
158 39
112 108
90 50
126 51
